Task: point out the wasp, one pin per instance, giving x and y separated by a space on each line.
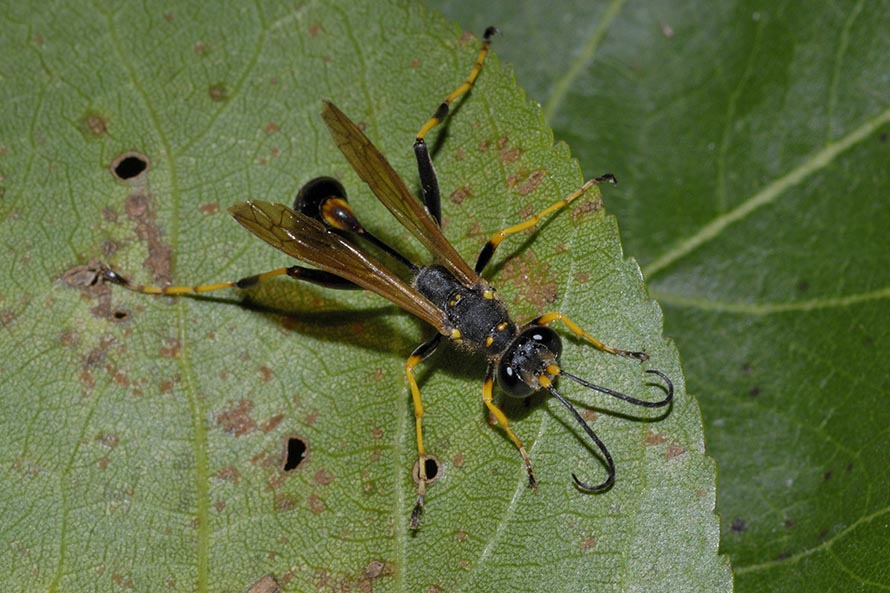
322 230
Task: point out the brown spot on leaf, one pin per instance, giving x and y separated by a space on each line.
229 473
219 506
218 92
315 29
285 502
586 207
531 182
93 125
272 128
533 279
458 460
588 543
87 380
236 420
323 477
122 581
270 424
200 48
674 450
311 417
96 356
108 440
68 338
264 584
316 505
170 349
376 569
140 210
209 208
653 438
460 194
507 154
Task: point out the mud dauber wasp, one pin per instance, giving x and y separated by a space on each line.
323 231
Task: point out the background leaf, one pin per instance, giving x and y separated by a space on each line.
144 436
750 140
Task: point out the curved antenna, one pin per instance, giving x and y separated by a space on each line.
610 464
617 394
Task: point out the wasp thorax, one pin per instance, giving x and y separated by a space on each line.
529 361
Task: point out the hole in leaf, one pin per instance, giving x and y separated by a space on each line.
120 315
295 452
431 465
129 165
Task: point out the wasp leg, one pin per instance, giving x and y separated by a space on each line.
488 399
419 355
428 180
576 329
490 247
314 276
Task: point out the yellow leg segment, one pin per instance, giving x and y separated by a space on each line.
488 399
419 354
115 278
412 362
536 218
468 83
576 329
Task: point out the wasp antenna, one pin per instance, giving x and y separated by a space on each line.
617 394
610 464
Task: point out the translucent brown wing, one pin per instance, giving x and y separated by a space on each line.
375 170
309 241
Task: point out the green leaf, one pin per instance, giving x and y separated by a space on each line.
750 140
144 437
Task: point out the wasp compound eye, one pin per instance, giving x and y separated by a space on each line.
531 352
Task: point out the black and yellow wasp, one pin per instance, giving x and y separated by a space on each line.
450 295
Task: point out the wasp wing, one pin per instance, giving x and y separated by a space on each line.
309 241
375 170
